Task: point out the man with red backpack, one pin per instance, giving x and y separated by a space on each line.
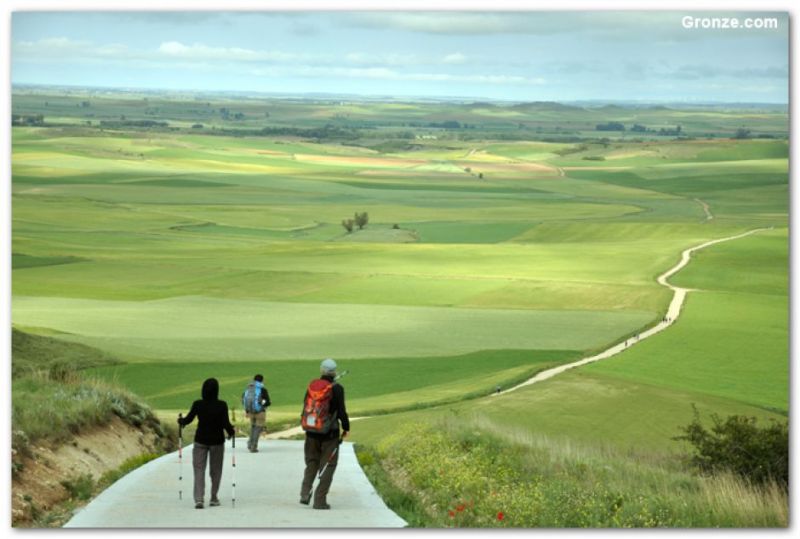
323 410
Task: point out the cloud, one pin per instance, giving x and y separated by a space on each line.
52 46
175 49
614 25
383 73
705 71
454 58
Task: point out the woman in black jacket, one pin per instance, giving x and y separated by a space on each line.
209 440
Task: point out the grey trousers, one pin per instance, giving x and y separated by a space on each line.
317 453
256 426
212 454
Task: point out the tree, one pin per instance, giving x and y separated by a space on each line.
348 225
361 220
742 133
738 445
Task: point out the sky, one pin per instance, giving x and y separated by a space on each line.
515 56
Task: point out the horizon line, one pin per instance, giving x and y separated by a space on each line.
648 101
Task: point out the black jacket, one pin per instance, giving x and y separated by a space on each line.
337 404
212 414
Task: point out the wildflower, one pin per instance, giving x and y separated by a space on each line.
500 515
461 507
452 514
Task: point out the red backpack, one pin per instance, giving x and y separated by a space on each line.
317 414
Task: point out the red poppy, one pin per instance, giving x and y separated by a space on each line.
461 507
501 515
451 513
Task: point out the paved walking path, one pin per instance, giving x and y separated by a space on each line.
673 312
267 494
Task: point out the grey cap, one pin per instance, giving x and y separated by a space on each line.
328 366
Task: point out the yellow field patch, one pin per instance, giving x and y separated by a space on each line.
630 154
539 168
358 161
209 164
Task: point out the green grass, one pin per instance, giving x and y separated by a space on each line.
587 408
373 385
732 338
19 260
31 353
449 475
201 328
192 255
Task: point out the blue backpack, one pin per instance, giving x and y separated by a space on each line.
251 400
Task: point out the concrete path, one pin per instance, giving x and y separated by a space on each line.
267 494
673 311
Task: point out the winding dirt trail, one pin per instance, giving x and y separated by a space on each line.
706 209
672 314
673 311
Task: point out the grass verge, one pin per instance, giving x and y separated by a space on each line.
457 474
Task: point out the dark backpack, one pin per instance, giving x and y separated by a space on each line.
317 414
251 400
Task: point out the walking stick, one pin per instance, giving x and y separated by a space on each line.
330 459
233 452
180 457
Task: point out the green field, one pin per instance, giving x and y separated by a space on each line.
526 241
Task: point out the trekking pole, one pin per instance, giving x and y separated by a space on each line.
233 452
180 457
330 459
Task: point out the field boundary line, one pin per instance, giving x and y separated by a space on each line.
673 311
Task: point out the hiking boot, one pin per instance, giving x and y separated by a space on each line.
305 500
322 505
253 450
198 505
214 502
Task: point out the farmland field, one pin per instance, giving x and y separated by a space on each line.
188 252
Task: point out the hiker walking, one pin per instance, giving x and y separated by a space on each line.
255 400
323 410
209 440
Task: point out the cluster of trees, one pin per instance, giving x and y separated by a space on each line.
27 119
639 128
359 220
664 132
326 132
133 123
610 126
447 124
227 114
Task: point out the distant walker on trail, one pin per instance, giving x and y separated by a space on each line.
255 401
209 440
323 410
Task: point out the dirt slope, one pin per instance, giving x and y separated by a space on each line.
37 486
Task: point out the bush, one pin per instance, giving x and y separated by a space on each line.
738 445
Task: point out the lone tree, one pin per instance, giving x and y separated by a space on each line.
361 220
348 225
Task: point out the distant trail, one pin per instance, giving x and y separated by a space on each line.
672 314
293 431
706 209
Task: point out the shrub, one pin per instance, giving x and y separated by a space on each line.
80 487
740 446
